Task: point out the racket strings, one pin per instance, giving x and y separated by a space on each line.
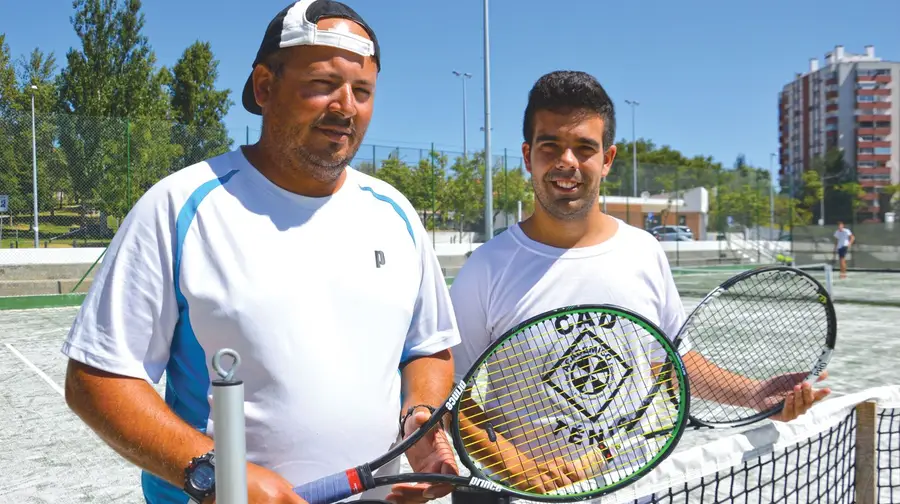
516 382
537 390
541 355
767 325
594 470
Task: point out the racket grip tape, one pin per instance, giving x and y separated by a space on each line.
337 486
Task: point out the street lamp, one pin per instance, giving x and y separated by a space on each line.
464 76
34 168
634 105
488 173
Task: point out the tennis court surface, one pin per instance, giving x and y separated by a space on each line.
49 456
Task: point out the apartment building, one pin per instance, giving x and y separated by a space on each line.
852 102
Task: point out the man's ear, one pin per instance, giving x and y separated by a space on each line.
608 157
263 78
526 155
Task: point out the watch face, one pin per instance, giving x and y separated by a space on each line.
203 477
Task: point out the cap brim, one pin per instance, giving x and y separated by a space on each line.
249 99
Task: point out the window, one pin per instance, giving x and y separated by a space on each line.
866 164
882 151
865 98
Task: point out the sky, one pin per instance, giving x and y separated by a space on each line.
706 73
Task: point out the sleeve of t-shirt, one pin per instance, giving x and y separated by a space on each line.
433 326
126 322
469 296
672 314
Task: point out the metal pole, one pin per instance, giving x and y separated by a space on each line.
488 173
464 76
433 202
822 202
633 148
771 195
791 210
229 432
34 169
505 187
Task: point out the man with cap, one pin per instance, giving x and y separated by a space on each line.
321 277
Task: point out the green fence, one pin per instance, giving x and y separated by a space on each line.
90 171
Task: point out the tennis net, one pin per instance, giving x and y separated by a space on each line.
844 450
862 286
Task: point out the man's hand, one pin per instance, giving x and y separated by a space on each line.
431 454
797 400
267 487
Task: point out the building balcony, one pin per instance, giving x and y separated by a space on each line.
873 92
873 105
881 170
873 118
878 158
873 131
873 144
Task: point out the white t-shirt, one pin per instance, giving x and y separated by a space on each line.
512 278
843 237
323 298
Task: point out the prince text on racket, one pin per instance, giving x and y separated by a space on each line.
568 253
321 277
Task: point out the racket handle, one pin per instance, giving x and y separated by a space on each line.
337 486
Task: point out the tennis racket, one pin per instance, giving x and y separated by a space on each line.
558 409
769 329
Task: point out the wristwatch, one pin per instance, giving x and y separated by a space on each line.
200 477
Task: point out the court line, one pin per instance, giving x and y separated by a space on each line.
34 368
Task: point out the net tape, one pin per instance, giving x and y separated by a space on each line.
812 459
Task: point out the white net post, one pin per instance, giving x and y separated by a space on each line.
829 277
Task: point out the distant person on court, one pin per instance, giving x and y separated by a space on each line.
322 278
569 252
843 239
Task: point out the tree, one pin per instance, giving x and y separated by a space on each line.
511 185
198 107
112 95
464 194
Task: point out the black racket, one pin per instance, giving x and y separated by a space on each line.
558 409
772 328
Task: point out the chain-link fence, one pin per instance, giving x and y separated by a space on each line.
90 171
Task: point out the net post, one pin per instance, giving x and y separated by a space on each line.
829 276
229 432
866 453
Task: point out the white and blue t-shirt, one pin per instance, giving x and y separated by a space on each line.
323 298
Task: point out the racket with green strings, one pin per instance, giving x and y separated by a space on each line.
558 409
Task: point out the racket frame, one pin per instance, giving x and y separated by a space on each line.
818 367
361 477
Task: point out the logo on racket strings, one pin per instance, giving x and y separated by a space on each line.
590 372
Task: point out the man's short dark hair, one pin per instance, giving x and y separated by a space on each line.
568 91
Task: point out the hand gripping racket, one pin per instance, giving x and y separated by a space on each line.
768 329
558 409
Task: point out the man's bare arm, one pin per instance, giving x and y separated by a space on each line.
132 418
427 380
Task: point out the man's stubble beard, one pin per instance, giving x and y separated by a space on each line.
322 169
588 202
